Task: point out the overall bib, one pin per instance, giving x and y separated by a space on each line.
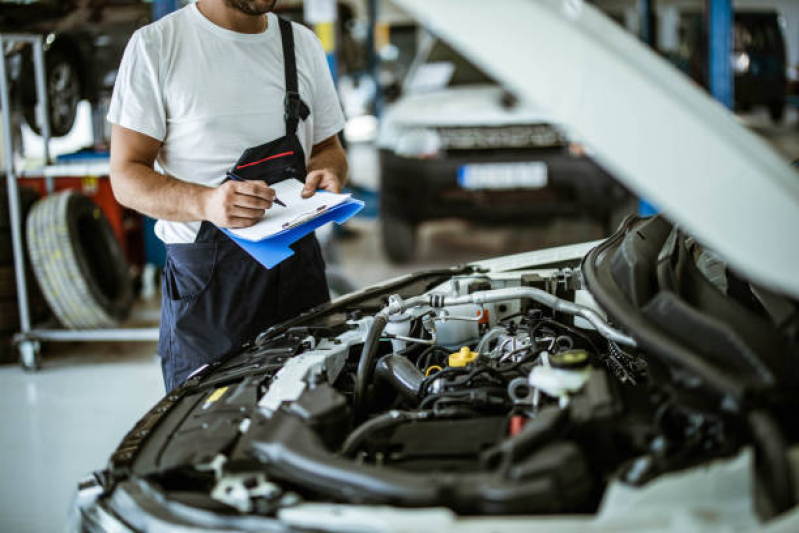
215 295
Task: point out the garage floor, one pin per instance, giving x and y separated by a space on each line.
64 421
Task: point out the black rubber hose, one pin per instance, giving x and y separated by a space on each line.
366 364
401 374
386 420
481 395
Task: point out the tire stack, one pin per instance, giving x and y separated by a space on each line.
78 262
9 310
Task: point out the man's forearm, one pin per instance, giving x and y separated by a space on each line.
141 188
136 185
330 156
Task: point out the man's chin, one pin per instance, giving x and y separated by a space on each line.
252 7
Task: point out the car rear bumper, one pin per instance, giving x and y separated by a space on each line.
423 189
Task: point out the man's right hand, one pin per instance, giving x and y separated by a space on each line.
237 204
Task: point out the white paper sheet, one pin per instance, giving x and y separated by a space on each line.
297 211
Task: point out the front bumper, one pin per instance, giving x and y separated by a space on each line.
424 189
755 90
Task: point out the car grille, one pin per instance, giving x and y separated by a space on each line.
493 137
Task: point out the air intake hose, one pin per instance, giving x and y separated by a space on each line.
366 364
401 374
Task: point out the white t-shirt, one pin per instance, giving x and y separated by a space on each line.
208 94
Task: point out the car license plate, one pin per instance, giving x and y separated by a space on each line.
503 176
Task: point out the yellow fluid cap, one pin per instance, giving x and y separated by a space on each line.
463 357
569 359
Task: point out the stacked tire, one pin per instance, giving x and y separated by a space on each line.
9 310
78 262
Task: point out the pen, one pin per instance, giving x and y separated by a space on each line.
234 177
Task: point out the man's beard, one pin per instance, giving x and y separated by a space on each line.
252 7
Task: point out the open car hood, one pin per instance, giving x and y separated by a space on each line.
648 124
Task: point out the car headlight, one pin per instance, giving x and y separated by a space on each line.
14 67
419 143
741 63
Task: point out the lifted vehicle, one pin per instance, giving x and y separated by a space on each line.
644 382
83 47
456 144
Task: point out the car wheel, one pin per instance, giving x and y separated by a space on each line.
776 111
78 262
399 238
63 94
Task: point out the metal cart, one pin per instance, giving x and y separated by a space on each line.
28 340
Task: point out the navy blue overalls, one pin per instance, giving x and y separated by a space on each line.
215 296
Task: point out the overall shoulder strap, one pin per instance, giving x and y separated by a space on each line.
294 108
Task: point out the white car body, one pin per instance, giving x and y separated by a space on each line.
470 105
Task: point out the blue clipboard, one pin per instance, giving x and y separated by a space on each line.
273 250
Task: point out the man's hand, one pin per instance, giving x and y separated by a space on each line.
321 179
237 204
327 167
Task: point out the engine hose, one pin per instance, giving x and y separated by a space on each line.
481 395
398 305
487 338
550 300
398 371
386 420
366 363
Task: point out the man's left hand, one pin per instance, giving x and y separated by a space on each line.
321 179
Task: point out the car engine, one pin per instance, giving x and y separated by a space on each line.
483 392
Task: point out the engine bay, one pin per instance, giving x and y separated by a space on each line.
487 393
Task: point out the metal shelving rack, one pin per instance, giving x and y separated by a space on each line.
28 340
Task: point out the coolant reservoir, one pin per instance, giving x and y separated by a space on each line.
399 325
453 332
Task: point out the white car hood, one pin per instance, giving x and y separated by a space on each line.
656 131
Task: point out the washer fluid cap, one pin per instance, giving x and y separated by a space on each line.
463 357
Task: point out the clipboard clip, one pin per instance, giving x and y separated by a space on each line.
305 217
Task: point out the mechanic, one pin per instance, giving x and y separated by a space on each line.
216 85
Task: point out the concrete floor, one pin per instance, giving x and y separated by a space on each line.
64 421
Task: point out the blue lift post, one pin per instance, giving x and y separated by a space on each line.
646 13
373 60
162 8
719 15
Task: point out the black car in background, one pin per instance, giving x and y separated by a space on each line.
758 58
760 62
84 42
